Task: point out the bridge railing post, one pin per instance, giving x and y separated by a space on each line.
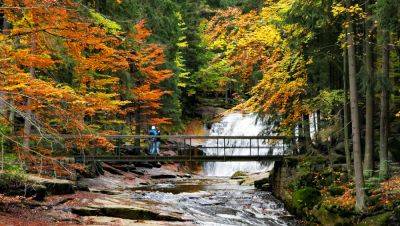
224 150
250 146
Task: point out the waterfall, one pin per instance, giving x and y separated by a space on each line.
237 124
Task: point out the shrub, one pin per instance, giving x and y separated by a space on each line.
336 190
307 197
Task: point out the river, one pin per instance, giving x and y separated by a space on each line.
217 201
214 199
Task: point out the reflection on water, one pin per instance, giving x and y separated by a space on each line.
217 202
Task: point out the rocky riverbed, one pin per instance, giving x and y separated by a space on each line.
151 196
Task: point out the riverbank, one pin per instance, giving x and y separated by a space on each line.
320 193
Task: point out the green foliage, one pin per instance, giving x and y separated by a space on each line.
11 163
335 190
10 180
108 24
306 197
328 102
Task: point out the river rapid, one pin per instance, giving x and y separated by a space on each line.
213 198
216 201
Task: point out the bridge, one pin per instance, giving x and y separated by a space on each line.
189 148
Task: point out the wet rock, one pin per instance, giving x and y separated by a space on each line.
239 175
257 179
54 186
266 187
261 182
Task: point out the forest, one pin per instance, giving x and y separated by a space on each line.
74 72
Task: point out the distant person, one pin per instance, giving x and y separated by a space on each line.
153 140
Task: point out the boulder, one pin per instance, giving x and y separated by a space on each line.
127 212
239 175
257 179
54 186
112 169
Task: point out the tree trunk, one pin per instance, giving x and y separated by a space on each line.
3 99
28 118
28 112
346 121
358 170
137 126
384 127
369 96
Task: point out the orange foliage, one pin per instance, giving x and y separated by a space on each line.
48 37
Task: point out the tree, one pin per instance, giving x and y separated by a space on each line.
355 121
387 12
370 90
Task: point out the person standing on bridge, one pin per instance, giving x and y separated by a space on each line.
154 141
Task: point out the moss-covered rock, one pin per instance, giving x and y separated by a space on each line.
326 217
306 198
377 220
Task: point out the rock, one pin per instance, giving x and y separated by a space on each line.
377 220
261 182
163 176
326 217
156 164
261 179
92 170
239 175
144 165
125 168
40 192
82 187
101 220
112 169
86 211
127 212
54 186
137 172
266 187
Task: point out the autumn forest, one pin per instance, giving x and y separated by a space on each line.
324 73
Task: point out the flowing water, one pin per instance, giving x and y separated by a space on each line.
215 199
219 201
237 124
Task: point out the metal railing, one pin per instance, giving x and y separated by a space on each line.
197 148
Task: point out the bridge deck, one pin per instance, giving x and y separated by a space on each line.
181 158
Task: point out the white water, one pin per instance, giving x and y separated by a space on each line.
237 124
